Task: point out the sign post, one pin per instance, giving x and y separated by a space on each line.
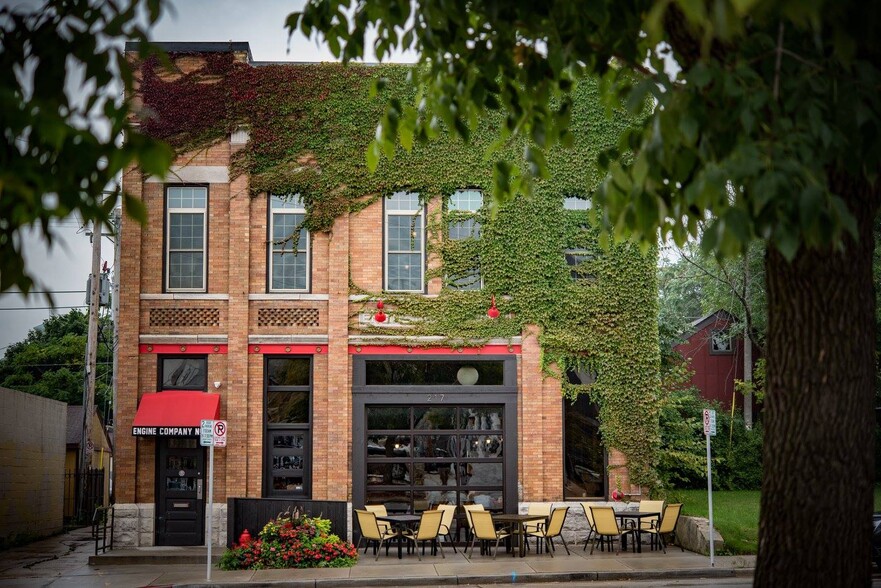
710 431
212 434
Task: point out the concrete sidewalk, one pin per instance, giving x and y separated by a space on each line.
64 561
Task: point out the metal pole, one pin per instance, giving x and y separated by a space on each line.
710 500
115 291
209 506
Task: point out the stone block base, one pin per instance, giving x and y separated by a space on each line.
134 524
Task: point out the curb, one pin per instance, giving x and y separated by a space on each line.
493 579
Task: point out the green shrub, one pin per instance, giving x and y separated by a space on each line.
292 541
682 458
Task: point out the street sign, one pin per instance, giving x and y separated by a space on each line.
206 436
709 422
220 433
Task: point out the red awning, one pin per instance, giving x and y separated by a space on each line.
174 411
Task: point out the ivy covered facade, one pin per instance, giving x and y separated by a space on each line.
252 295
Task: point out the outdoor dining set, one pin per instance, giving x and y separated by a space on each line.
654 519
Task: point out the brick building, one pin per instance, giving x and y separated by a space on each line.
323 402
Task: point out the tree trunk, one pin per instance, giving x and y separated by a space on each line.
817 497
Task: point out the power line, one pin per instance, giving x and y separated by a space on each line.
45 307
45 292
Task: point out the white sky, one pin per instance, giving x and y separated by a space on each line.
66 265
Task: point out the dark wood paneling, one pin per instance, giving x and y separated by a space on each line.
254 513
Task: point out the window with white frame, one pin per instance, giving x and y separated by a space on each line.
186 226
288 245
463 206
576 256
404 243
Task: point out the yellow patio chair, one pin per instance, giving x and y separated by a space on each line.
667 526
371 531
469 508
553 528
650 506
449 511
380 511
585 506
606 526
484 529
429 527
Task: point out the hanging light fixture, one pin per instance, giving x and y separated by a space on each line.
379 316
493 312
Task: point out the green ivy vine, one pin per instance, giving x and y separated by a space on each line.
309 128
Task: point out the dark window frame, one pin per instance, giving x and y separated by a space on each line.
727 334
159 368
567 405
294 428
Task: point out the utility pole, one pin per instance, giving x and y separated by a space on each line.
114 293
91 354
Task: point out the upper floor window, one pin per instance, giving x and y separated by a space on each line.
720 342
404 243
183 372
288 245
464 205
186 238
576 255
576 203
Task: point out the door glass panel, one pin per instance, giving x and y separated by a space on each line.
481 446
388 445
388 474
388 417
481 474
481 418
287 483
180 484
287 441
490 499
182 443
180 462
287 462
435 446
395 501
434 417
288 371
287 407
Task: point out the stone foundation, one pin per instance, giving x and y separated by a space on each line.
133 524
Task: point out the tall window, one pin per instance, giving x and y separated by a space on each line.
463 206
288 419
183 372
576 256
404 242
186 234
288 246
584 469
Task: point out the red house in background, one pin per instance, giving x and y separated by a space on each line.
715 356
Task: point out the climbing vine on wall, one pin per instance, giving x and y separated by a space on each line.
309 128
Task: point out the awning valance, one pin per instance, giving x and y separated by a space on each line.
174 413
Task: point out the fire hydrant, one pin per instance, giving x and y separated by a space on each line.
244 538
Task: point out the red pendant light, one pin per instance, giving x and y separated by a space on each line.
379 316
493 312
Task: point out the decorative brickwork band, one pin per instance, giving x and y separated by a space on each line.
288 317
184 317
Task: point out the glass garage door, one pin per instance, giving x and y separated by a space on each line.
421 456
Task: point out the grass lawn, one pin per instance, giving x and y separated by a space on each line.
735 514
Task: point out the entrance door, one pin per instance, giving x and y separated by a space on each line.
180 506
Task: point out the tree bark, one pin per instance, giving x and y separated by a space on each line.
817 497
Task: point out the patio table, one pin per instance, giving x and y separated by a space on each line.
519 520
401 522
636 516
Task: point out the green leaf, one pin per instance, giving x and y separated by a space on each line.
373 154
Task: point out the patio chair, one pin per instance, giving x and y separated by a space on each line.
606 526
380 511
585 506
469 508
371 531
667 526
429 527
650 522
449 511
553 528
484 529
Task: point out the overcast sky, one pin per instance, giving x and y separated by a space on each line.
64 268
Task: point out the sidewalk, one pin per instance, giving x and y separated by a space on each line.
63 561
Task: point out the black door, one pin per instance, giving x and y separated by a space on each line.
180 504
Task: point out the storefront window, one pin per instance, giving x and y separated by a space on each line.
434 373
584 455
288 426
